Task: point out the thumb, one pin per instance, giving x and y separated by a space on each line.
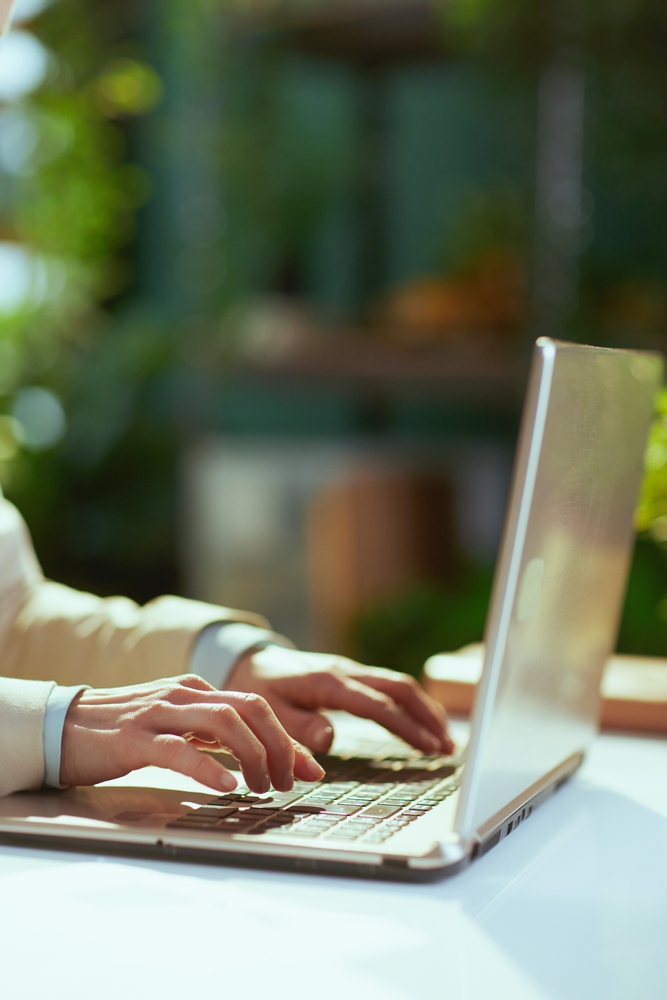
310 728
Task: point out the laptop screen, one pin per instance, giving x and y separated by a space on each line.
562 570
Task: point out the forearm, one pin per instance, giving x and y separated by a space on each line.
77 638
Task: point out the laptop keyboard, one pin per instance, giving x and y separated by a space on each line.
358 800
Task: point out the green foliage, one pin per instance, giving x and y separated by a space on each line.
402 633
644 622
651 513
522 35
72 204
490 220
405 631
102 504
282 156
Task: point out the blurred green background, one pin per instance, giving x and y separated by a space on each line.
233 219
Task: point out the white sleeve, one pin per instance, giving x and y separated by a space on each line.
221 644
59 701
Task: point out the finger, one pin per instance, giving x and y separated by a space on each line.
310 728
306 767
405 691
177 754
342 692
222 724
261 720
195 682
187 688
282 755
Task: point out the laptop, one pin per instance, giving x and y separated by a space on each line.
387 811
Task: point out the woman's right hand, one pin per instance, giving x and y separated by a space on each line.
112 731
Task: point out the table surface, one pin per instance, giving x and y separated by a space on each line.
572 905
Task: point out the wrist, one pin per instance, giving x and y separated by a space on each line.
220 646
242 670
68 752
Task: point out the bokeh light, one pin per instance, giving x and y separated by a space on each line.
129 87
24 63
18 140
23 278
41 417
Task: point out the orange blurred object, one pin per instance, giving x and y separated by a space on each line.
371 535
488 298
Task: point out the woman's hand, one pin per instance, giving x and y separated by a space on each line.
298 685
110 732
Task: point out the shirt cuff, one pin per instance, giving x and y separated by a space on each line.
59 702
220 645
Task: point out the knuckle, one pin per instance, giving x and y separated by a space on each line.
226 715
188 686
175 693
330 680
171 748
190 683
152 710
256 704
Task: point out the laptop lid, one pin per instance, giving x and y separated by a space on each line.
562 569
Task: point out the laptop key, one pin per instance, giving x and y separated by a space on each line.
237 822
217 812
277 800
244 797
382 810
342 809
305 809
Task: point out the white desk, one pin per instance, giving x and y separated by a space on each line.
573 906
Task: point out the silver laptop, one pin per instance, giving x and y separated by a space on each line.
388 811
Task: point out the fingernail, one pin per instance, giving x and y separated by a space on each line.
320 737
288 781
228 782
312 768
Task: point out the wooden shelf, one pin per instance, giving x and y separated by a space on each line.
463 372
370 33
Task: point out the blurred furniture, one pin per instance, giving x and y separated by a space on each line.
371 536
342 473
312 532
471 371
364 32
